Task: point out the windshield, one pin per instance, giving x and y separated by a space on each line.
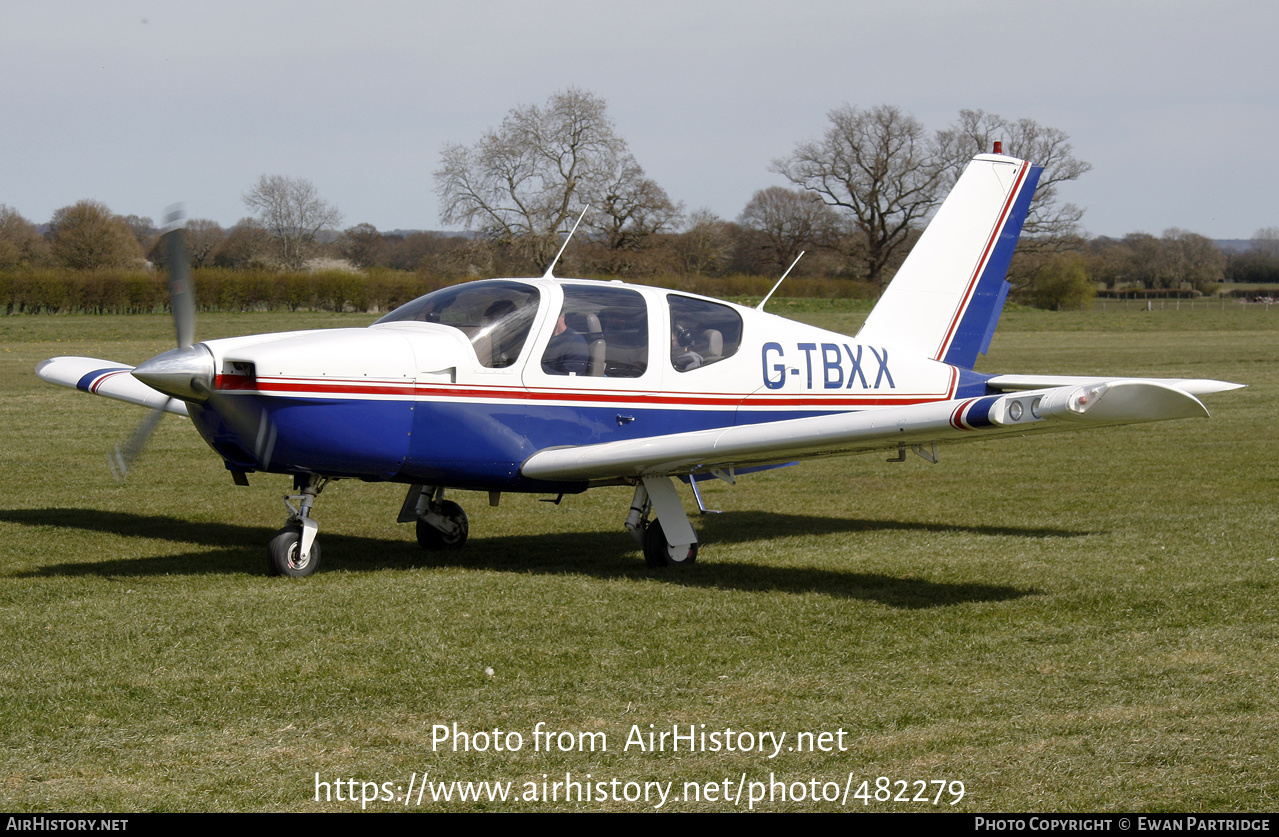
495 316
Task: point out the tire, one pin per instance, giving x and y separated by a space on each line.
282 554
428 537
658 554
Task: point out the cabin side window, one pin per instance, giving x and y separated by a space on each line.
702 332
495 316
601 332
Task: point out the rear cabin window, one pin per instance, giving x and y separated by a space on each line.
702 332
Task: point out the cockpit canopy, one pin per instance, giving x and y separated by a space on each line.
495 316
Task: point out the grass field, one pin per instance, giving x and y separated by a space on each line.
1073 622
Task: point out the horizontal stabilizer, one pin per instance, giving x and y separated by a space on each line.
1194 386
970 419
106 378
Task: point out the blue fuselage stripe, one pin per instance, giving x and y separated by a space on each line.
978 415
459 443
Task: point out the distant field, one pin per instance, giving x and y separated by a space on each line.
1078 622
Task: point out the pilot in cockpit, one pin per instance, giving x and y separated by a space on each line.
566 353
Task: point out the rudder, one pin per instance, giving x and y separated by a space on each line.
946 299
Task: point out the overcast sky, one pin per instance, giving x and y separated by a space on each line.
141 103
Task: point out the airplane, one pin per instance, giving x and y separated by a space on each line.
554 386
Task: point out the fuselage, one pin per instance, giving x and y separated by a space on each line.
459 387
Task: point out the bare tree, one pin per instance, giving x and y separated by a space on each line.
361 245
203 237
629 208
1260 262
20 244
245 245
522 183
87 236
1048 223
1177 259
706 247
1265 242
877 165
143 230
786 222
1199 262
293 212
1149 262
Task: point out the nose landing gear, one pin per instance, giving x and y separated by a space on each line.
294 551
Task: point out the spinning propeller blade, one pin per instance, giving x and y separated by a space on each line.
181 290
122 457
182 304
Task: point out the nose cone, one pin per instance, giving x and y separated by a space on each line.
186 374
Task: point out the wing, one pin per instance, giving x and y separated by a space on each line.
1097 404
108 379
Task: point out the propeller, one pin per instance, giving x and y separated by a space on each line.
183 307
187 373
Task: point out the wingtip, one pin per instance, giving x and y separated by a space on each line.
1205 386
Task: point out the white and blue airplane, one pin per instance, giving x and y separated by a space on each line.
553 385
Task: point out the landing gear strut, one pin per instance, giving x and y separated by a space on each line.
669 540
441 524
294 551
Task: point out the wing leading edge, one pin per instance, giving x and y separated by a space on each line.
1097 404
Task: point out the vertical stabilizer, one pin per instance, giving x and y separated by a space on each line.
945 301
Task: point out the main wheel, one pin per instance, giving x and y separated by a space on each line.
428 537
282 554
658 553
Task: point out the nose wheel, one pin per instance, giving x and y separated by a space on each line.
294 551
285 557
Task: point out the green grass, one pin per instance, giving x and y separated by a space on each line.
1078 622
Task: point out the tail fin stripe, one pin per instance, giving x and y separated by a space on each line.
975 279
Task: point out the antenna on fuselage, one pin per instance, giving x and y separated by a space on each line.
760 307
556 260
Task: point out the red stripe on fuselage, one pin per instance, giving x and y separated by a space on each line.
298 386
957 416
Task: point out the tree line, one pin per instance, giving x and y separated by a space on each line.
858 196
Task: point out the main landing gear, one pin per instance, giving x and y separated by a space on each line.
441 524
294 551
669 540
